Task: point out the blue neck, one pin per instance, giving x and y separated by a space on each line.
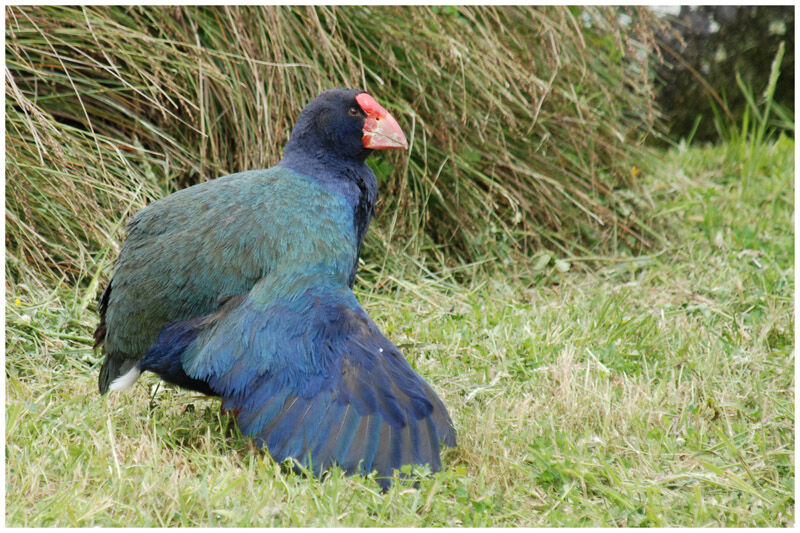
348 178
338 176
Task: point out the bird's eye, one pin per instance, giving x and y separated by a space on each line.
353 111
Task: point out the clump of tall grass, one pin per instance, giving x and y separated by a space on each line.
761 119
525 123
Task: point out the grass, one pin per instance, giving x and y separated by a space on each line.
523 128
653 390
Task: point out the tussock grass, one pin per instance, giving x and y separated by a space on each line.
525 123
656 391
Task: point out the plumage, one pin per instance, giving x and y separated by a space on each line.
241 287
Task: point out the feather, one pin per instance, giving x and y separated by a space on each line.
343 395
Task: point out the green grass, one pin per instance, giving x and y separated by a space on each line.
644 391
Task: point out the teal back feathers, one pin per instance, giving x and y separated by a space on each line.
216 240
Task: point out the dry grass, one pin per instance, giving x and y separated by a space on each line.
525 123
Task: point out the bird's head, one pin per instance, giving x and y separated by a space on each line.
347 123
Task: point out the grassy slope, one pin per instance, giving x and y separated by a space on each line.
653 391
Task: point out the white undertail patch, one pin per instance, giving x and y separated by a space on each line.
125 380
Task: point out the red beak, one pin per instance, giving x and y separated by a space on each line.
381 130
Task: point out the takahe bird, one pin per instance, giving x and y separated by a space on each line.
241 287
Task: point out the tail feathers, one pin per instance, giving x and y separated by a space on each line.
117 373
102 306
125 380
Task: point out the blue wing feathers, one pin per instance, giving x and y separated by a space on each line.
298 436
382 462
372 439
321 453
351 456
253 420
414 454
349 424
279 429
164 357
311 377
429 435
